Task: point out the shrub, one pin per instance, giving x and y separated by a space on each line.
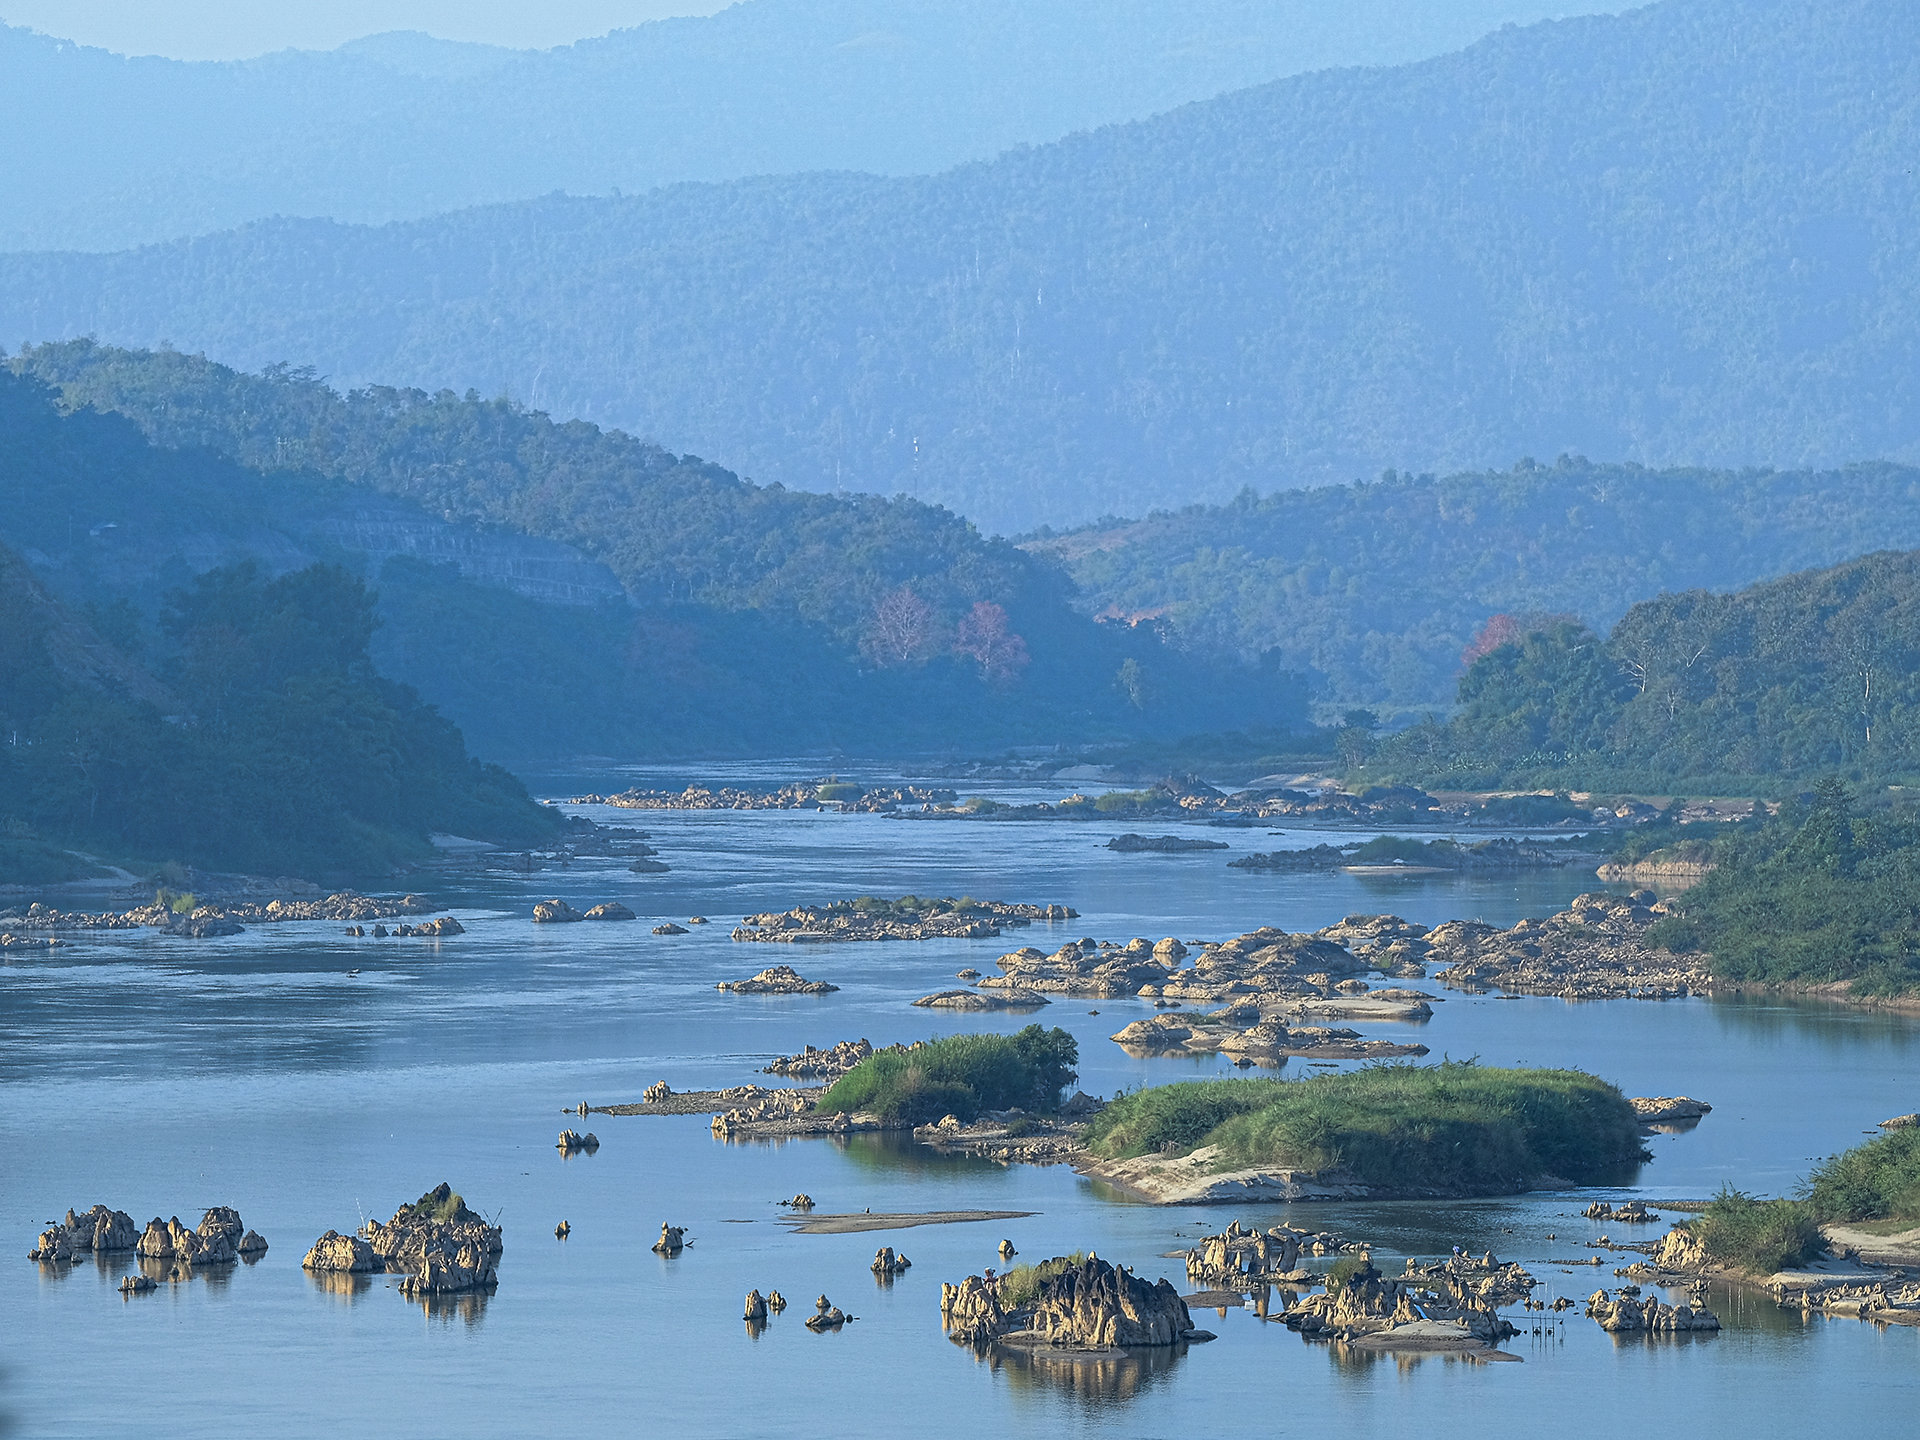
838 790
962 1075
1021 1285
1879 1180
1761 1236
1454 1128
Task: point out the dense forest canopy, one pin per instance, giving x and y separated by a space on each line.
286 754
1682 235
754 618
110 151
1813 674
1379 589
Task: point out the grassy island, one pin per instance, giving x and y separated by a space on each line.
962 1075
1455 1128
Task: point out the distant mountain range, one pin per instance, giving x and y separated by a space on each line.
105 151
1685 235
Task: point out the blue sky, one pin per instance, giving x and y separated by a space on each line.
235 29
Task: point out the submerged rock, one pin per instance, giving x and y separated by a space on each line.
611 910
555 912
1009 999
669 928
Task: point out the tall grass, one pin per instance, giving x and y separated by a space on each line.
1454 1128
1879 1180
962 1075
1760 1236
1021 1285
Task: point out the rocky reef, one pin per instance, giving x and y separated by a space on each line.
797 796
910 919
436 1244
777 980
1086 969
1008 999
1067 1304
98 1231
1595 949
217 917
1452 1304
1625 1311
1131 844
829 1064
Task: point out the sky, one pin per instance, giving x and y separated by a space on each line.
237 29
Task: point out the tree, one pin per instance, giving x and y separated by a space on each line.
1132 680
903 628
984 635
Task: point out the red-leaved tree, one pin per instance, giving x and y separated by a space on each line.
983 633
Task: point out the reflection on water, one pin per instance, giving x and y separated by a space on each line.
468 1307
339 1284
1104 1378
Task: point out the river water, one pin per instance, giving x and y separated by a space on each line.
163 1076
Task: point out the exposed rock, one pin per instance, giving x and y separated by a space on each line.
872 919
138 1284
657 1092
673 1239
777 980
222 1220
1595 949
205 923
11 941
1627 1312
1083 969
438 1244
1009 1135
562 1230
802 1203
1244 1030
1087 1306
885 1262
1011 999
252 1243
571 1142
1656 1110
1900 1122
1633 1212
798 796
450 1267
647 866
827 1316
1450 1294
99 1230
669 928
756 1307
555 912
776 1302
1131 844
342 1254
171 1240
445 925
1006 1250
813 1064
1681 1250
611 910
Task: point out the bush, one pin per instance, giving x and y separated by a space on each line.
962 1075
838 790
1760 1236
1021 1285
1454 1128
1879 1180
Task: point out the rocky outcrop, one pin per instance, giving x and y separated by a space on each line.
1901 1122
1131 844
341 1254
669 928
555 912
1633 1212
171 1240
885 1262
1681 1250
1665 1109
827 1316
98 1231
673 1239
1625 1312
611 910
345 905
1009 999
1447 1301
572 1142
798 796
1085 1305
829 1064
872 919
1245 1031
1196 1179
1085 969
437 1244
777 980
138 1284
1261 962
252 1243
1595 949
756 1308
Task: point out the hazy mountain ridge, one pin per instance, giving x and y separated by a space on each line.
1674 236
400 126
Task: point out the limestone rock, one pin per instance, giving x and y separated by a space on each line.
223 1220
669 928
252 1243
571 1142
137 1284
611 910
756 1307
1010 999
555 912
1653 1110
885 1262
1680 1249
673 1239
344 1254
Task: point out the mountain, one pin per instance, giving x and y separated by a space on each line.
1811 675
560 590
106 151
1377 589
1684 235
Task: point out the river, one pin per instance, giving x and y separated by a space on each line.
163 1076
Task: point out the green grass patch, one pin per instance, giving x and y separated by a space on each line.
1879 1180
962 1075
1453 1128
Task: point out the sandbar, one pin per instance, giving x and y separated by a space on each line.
853 1224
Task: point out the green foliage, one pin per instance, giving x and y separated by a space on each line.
1759 1236
1021 1285
1346 1270
961 1075
838 790
730 588
1816 672
440 1203
1879 1180
1450 1128
1815 895
1125 802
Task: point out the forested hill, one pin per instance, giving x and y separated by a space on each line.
752 620
106 151
1686 234
1751 692
1379 588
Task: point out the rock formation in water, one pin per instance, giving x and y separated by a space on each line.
1131 844
885 1262
611 910
777 980
555 912
1457 1298
1625 1312
438 1244
1076 1305
975 1000
813 1064
673 1239
1663 1109
572 1142
98 1231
